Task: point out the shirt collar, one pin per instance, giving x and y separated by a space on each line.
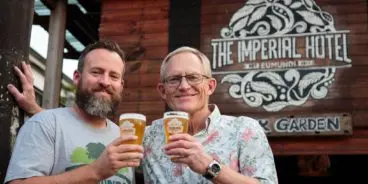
212 118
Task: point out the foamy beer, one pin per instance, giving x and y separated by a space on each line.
132 124
175 122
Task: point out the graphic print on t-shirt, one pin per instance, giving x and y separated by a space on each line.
83 156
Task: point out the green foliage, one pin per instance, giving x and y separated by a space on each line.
123 170
80 155
95 150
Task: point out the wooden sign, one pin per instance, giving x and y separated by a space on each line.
314 125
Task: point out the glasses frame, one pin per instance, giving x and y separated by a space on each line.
202 77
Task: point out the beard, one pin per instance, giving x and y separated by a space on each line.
94 105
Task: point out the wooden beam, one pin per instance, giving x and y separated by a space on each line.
55 50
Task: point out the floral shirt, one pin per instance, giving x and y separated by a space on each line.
237 142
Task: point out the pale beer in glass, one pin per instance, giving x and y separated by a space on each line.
132 124
175 122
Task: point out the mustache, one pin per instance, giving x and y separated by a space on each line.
109 90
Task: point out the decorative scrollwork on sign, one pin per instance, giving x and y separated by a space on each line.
278 89
278 17
275 90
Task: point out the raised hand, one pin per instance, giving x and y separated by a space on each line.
184 148
116 156
27 98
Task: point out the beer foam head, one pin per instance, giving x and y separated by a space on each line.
133 116
179 114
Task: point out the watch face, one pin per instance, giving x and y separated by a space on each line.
213 170
216 168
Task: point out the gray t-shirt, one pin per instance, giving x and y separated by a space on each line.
56 141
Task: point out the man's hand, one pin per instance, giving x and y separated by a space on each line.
27 98
184 148
117 155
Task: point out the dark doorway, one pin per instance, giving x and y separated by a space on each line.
343 169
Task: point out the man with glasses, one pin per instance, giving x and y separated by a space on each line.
217 148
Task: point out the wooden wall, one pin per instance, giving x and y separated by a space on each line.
142 29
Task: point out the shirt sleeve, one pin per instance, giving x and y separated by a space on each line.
33 152
256 157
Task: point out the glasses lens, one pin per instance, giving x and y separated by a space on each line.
193 78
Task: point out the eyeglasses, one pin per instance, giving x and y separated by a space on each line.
192 79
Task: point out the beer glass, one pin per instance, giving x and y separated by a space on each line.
175 122
132 124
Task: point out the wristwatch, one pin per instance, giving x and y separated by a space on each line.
213 170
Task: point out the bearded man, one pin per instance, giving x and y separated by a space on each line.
79 144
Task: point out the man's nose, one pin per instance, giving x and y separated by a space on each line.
105 80
184 83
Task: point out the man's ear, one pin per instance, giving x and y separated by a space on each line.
212 83
122 83
122 86
161 90
76 77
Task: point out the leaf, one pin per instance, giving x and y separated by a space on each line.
296 5
258 14
309 3
254 2
95 150
240 24
274 77
242 12
232 78
311 18
309 79
287 2
264 88
80 155
275 22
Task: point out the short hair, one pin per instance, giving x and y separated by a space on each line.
203 58
101 44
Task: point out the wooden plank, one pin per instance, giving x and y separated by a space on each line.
319 2
143 39
143 66
145 107
156 52
321 145
125 28
137 80
360 118
160 13
109 5
149 52
140 94
231 8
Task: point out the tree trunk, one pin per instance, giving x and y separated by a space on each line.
15 27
